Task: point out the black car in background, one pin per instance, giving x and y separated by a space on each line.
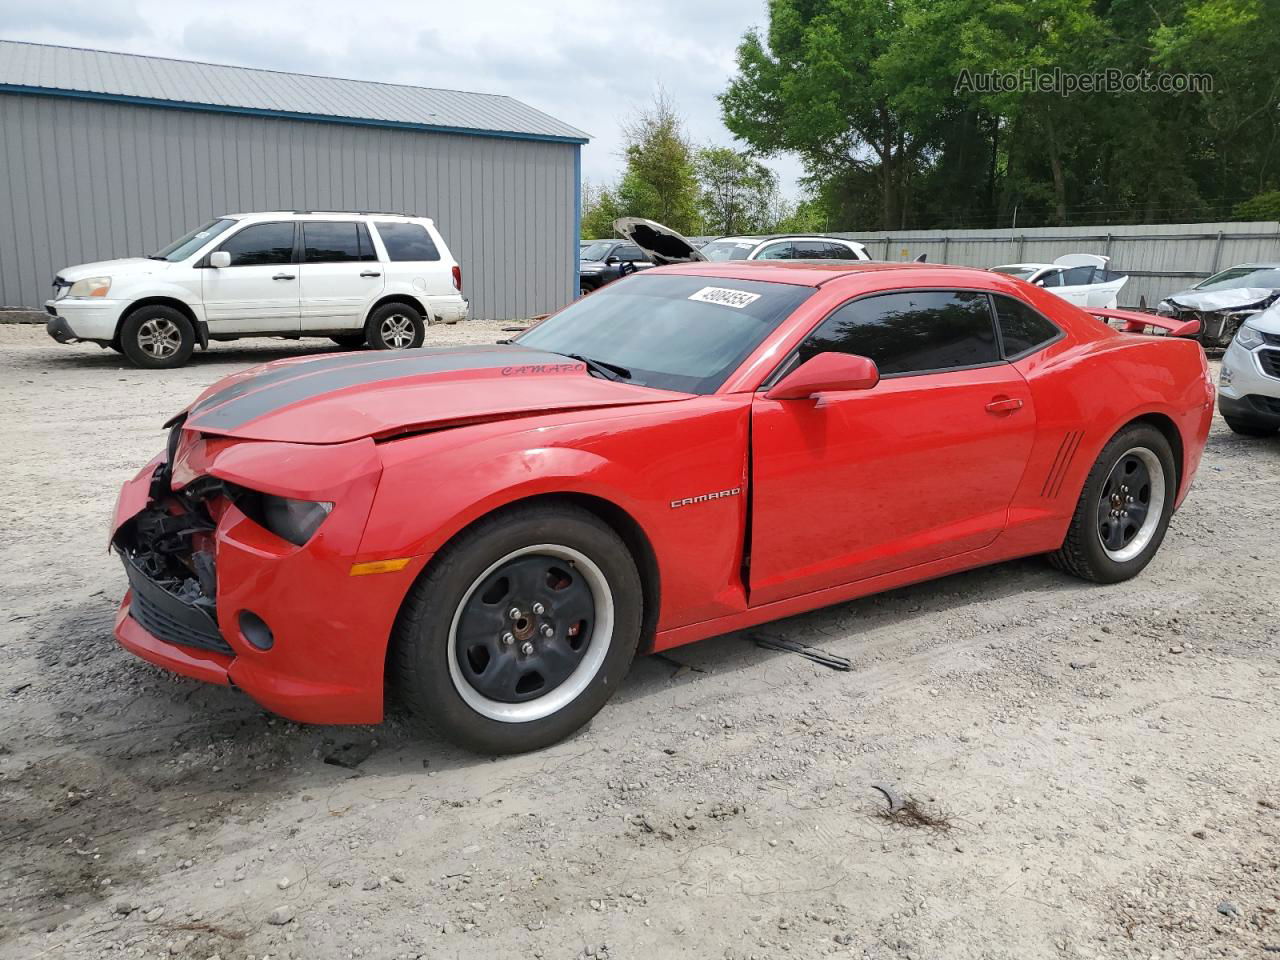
603 260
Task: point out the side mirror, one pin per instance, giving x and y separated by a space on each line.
826 373
610 261
220 259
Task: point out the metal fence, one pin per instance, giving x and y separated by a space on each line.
1159 259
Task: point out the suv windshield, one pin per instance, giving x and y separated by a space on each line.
728 249
1242 277
597 251
673 332
186 245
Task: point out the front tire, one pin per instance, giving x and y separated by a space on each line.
395 326
1123 512
519 630
157 338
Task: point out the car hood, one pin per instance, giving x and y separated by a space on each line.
338 398
112 268
662 244
1237 298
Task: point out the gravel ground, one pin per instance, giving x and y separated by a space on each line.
1093 770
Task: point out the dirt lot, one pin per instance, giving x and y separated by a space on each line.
1100 763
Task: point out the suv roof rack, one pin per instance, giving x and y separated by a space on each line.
360 213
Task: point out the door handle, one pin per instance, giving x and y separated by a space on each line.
1004 405
370 273
285 276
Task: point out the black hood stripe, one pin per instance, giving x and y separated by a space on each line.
236 407
292 371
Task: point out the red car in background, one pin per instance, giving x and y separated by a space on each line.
497 531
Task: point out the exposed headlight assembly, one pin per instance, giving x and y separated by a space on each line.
1248 337
294 520
90 287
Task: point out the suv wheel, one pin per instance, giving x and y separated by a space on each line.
157 338
395 326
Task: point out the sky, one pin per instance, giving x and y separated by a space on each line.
589 64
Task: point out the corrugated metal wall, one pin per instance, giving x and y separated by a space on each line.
1160 259
83 181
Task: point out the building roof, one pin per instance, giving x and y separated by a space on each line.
186 84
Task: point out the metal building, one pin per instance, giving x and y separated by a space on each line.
106 155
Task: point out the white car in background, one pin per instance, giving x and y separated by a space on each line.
356 278
1079 278
1249 383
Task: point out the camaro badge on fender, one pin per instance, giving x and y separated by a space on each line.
703 498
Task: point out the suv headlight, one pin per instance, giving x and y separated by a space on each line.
1248 337
90 287
292 520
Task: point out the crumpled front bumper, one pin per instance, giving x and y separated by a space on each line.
329 629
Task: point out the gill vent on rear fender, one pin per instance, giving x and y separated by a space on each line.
1066 451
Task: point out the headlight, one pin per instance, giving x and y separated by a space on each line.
294 520
90 287
1248 337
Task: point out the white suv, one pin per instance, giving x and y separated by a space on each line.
357 278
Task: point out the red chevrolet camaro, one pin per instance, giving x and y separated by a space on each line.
495 532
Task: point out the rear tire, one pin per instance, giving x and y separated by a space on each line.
484 647
1123 512
1247 429
395 326
349 341
157 338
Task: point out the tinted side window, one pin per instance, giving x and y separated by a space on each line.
776 251
838 251
911 332
1077 276
1021 328
261 244
336 242
630 252
811 249
407 241
1051 279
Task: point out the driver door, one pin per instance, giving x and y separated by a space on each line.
920 467
259 291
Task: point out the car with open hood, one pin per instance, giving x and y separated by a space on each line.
495 532
666 246
1079 278
603 261
1225 300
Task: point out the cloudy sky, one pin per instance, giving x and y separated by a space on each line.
589 64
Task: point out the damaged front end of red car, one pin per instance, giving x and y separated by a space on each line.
239 561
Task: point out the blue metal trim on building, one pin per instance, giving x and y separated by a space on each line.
287 115
577 222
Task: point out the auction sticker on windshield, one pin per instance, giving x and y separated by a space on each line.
725 297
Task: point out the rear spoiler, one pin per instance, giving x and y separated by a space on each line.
1135 322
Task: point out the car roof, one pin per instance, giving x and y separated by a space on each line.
784 236
329 214
814 273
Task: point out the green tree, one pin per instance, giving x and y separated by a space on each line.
736 194
599 210
1265 206
659 181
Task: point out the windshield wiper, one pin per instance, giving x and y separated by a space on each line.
153 256
610 371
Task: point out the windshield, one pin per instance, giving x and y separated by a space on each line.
728 249
673 332
596 251
1242 277
1022 273
184 246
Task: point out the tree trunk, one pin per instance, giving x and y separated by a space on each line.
1059 179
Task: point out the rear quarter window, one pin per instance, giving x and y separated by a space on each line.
407 241
1022 329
